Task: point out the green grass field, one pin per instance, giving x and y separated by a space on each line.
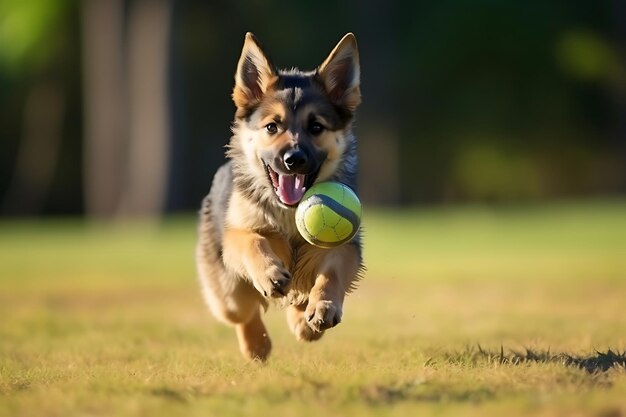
463 311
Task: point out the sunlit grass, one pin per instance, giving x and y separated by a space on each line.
108 320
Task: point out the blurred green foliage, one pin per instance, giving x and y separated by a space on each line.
587 56
29 35
479 100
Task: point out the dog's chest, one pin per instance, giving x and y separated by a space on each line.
284 222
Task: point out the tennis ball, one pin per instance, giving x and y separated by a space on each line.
329 214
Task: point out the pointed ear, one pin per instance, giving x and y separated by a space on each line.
254 75
340 73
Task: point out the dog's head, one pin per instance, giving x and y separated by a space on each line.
293 128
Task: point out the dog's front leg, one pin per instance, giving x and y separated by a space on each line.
338 270
261 259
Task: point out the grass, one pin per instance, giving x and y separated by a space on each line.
463 311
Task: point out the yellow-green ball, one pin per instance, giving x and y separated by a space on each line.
329 214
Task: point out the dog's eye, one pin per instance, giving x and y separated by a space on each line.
316 128
271 128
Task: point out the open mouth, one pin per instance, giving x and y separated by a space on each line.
289 188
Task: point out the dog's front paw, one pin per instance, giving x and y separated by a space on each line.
274 282
322 315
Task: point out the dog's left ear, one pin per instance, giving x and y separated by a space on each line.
254 75
340 73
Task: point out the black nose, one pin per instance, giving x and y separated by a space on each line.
294 159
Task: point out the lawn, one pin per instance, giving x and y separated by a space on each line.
463 311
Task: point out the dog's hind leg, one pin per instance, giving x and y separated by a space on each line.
298 325
242 308
235 301
254 342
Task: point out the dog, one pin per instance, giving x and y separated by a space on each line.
291 130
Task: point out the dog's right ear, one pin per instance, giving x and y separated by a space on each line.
255 74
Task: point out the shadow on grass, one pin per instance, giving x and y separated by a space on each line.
306 388
380 394
169 394
594 363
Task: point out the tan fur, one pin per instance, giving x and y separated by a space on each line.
250 251
254 343
243 95
335 65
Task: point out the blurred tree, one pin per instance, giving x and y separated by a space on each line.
105 109
145 185
127 132
29 51
463 100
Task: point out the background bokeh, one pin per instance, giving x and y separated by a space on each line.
115 108
492 140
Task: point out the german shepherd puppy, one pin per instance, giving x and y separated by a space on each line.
291 130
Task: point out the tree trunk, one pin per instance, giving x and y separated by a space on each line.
39 149
104 106
149 127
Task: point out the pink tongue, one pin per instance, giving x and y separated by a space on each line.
290 188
